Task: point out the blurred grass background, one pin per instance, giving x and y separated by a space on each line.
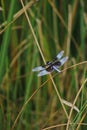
31 33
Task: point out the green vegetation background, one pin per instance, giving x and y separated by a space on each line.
31 33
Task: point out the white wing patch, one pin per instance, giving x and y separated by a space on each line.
63 60
44 72
60 55
39 68
55 68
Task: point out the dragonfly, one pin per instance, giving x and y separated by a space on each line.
51 66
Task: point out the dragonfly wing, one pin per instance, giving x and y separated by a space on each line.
54 67
43 72
39 68
63 60
59 55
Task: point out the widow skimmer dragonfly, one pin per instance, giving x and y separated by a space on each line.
50 66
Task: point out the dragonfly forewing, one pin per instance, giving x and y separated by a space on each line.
59 55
